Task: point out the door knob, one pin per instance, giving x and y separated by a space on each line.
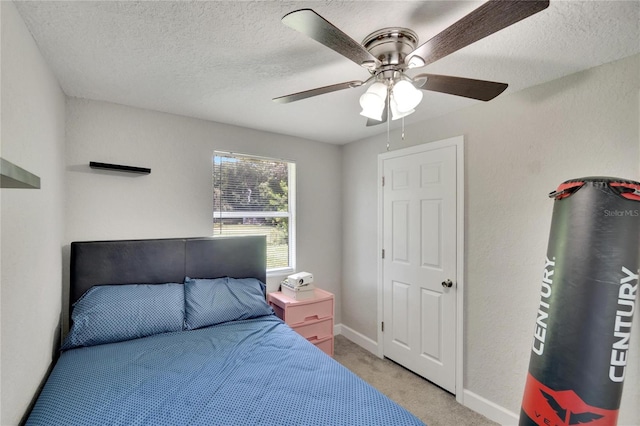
447 284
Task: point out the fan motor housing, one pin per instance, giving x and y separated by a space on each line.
391 45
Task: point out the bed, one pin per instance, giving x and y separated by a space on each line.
178 332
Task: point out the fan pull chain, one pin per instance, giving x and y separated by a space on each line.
403 129
388 118
388 143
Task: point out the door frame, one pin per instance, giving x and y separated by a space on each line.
458 142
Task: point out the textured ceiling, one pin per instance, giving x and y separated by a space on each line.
225 60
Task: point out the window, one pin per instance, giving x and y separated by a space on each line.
256 196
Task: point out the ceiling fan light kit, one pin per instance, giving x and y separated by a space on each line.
373 101
399 92
396 113
389 52
405 95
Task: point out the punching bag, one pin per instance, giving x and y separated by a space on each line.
589 291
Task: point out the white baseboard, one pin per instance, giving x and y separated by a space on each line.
337 329
357 338
489 409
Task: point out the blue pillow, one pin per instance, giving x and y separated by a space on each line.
114 313
214 301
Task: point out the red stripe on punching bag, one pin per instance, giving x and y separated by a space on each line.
565 189
629 190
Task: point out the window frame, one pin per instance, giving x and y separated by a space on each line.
290 214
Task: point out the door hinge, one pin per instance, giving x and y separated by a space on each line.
382 326
383 253
382 180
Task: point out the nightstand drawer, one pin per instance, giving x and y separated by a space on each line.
298 314
295 312
325 345
315 330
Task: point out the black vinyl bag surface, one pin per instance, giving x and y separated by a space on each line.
588 296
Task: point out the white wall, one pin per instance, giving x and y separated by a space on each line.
175 200
519 147
0 222
32 136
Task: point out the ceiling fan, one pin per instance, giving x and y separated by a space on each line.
389 52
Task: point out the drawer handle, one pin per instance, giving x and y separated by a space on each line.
311 317
312 338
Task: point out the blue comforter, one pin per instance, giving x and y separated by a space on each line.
251 372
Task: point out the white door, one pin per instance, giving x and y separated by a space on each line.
419 242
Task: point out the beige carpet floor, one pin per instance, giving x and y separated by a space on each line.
426 401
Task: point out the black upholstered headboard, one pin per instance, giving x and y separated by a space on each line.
164 261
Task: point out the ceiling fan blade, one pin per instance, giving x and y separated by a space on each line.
315 26
489 18
469 88
317 91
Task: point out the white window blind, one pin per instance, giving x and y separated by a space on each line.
256 196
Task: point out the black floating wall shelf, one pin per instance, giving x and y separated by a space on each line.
119 168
